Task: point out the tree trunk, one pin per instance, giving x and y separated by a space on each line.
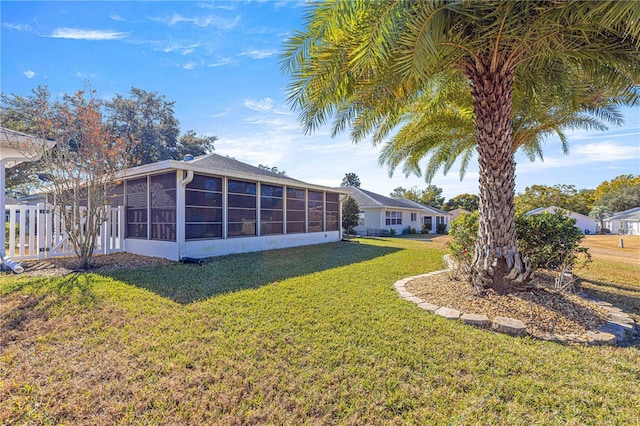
496 261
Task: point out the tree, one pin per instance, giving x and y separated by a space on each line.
432 196
350 214
467 202
146 121
625 198
615 184
19 113
191 143
272 169
365 63
350 179
82 167
600 213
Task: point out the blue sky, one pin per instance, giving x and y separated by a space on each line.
219 61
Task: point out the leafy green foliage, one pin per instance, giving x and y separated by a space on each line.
431 195
350 214
350 179
273 169
467 202
563 196
550 240
194 144
622 199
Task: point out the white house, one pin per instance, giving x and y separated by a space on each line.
626 222
585 223
213 205
378 213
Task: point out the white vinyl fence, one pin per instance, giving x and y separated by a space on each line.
38 232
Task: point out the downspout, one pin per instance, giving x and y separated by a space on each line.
182 216
4 259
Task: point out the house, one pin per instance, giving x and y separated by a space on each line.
213 205
378 213
626 222
585 223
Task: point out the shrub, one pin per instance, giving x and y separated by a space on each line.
464 231
441 228
548 241
409 230
425 229
392 232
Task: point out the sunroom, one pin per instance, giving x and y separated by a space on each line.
213 205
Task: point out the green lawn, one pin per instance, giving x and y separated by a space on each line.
313 335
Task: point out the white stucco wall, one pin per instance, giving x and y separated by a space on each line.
586 224
220 247
165 249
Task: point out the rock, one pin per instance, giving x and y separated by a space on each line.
448 313
510 326
428 306
601 338
615 330
414 299
476 319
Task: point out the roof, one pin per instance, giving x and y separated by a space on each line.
552 209
631 215
368 199
226 166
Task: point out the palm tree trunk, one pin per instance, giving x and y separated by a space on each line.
496 261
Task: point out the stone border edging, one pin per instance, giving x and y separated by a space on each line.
615 331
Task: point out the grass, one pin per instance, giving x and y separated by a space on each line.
614 273
312 335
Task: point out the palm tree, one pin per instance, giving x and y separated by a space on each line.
364 64
600 213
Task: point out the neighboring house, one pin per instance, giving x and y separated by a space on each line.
378 212
457 212
626 222
586 224
213 205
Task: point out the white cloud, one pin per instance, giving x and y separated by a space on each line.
605 151
18 27
263 105
117 18
189 65
176 46
259 54
219 63
29 74
78 34
201 21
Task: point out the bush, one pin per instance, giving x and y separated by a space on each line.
464 231
425 229
548 241
409 230
441 228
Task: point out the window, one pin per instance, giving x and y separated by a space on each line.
137 202
162 189
332 213
414 217
393 218
203 208
295 211
271 210
241 208
316 211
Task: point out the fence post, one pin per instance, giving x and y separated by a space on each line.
42 229
121 229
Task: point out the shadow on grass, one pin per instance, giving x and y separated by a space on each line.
620 296
186 283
